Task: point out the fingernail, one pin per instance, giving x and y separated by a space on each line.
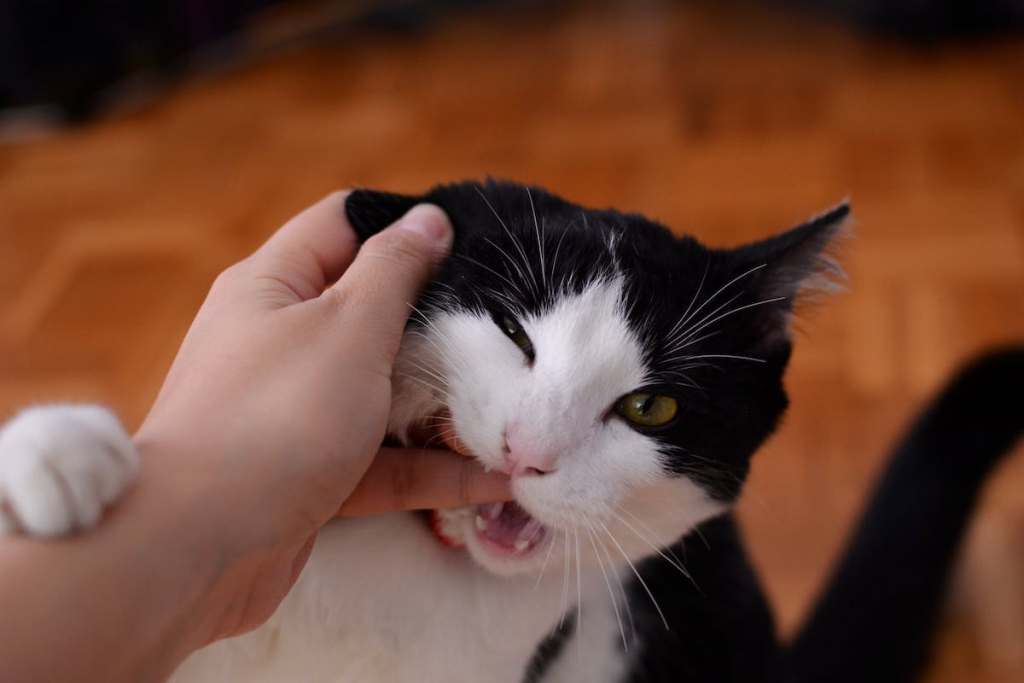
427 220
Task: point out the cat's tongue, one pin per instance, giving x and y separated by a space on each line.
508 528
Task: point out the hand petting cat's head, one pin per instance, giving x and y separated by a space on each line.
622 376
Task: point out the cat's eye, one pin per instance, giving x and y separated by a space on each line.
646 409
514 331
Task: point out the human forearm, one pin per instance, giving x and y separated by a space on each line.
125 602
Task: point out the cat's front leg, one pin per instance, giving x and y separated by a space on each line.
60 465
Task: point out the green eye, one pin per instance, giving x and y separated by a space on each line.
645 409
514 331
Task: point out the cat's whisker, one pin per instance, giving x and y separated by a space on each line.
422 382
640 523
737 310
513 306
679 347
442 352
558 249
677 566
726 355
433 374
441 336
681 378
696 295
511 236
508 258
439 383
435 390
713 466
564 603
626 603
723 288
446 431
488 269
683 335
455 364
540 243
608 584
432 384
579 582
701 536
636 573
543 566
689 366
709 475
429 322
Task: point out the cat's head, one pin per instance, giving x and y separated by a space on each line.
623 376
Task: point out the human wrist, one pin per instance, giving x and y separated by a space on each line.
233 541
187 525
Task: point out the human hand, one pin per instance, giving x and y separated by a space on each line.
277 403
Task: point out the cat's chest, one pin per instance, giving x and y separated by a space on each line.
381 600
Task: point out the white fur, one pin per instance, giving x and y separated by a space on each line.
59 466
381 599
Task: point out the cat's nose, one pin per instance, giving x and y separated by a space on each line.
525 457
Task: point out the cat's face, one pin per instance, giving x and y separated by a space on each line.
621 376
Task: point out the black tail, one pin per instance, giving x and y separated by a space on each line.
876 618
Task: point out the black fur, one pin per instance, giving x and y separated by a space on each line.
550 649
877 615
731 403
720 624
875 619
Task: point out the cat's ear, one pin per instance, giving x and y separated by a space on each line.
370 211
794 266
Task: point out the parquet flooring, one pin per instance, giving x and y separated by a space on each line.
716 121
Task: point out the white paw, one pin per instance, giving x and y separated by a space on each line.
60 466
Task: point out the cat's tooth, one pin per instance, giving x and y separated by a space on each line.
521 544
481 523
531 530
493 511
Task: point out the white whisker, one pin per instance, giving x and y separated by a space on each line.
724 355
737 310
639 578
509 259
540 244
608 583
547 556
564 603
511 236
725 287
678 567
489 269
579 581
683 318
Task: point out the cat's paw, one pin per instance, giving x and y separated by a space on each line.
60 465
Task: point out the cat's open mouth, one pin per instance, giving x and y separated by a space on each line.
508 529
504 529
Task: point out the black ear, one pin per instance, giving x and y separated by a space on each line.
796 265
369 211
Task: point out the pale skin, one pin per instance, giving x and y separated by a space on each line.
268 425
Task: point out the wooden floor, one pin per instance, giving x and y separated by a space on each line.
722 125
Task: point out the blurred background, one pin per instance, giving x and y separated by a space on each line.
146 146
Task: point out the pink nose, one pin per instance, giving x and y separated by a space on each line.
525 457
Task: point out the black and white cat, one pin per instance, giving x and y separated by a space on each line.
623 377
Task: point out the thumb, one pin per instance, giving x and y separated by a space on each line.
387 274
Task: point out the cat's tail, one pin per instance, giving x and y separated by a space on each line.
876 618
